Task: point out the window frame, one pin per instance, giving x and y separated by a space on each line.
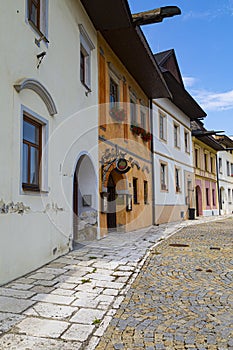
207 193
228 168
133 104
115 83
186 141
135 190
220 165
162 126
145 189
163 176
41 27
29 186
143 117
85 49
177 177
176 135
43 169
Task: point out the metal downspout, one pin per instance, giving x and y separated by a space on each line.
152 160
219 197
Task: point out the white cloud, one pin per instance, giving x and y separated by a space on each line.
189 81
212 101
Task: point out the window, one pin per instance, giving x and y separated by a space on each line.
163 176
186 142
133 112
135 190
212 169
206 162
34 12
229 196
162 126
37 14
32 150
231 169
196 158
86 46
176 135
220 165
113 93
213 197
228 169
207 197
145 192
143 119
177 179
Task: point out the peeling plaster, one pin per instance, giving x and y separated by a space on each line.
53 207
12 207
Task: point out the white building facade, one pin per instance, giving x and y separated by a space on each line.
172 157
172 146
49 133
225 175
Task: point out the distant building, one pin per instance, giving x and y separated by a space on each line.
225 174
205 149
172 146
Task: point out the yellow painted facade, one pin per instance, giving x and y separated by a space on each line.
117 140
206 190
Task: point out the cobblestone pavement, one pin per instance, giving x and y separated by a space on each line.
182 297
128 292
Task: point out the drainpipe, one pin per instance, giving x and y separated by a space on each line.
218 188
152 160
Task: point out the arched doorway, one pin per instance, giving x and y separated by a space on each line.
111 215
198 201
117 189
84 201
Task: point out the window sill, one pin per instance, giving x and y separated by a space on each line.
87 88
42 36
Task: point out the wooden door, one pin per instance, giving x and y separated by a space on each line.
111 216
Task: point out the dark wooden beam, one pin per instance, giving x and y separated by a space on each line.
156 15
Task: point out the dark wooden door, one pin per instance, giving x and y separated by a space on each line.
111 215
75 206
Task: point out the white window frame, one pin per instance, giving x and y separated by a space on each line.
43 30
44 148
133 100
86 47
143 117
176 127
177 186
162 126
163 177
187 146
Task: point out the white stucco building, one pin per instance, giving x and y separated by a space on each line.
49 116
225 174
172 145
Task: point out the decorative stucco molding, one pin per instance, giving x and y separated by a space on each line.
134 162
145 168
40 90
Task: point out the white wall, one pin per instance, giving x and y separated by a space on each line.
166 152
31 239
226 182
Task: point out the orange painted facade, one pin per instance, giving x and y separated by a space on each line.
124 125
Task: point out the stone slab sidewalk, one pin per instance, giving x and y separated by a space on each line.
69 303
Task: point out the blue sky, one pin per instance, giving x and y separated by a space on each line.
202 37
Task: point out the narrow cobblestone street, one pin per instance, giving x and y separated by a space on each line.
166 287
182 298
